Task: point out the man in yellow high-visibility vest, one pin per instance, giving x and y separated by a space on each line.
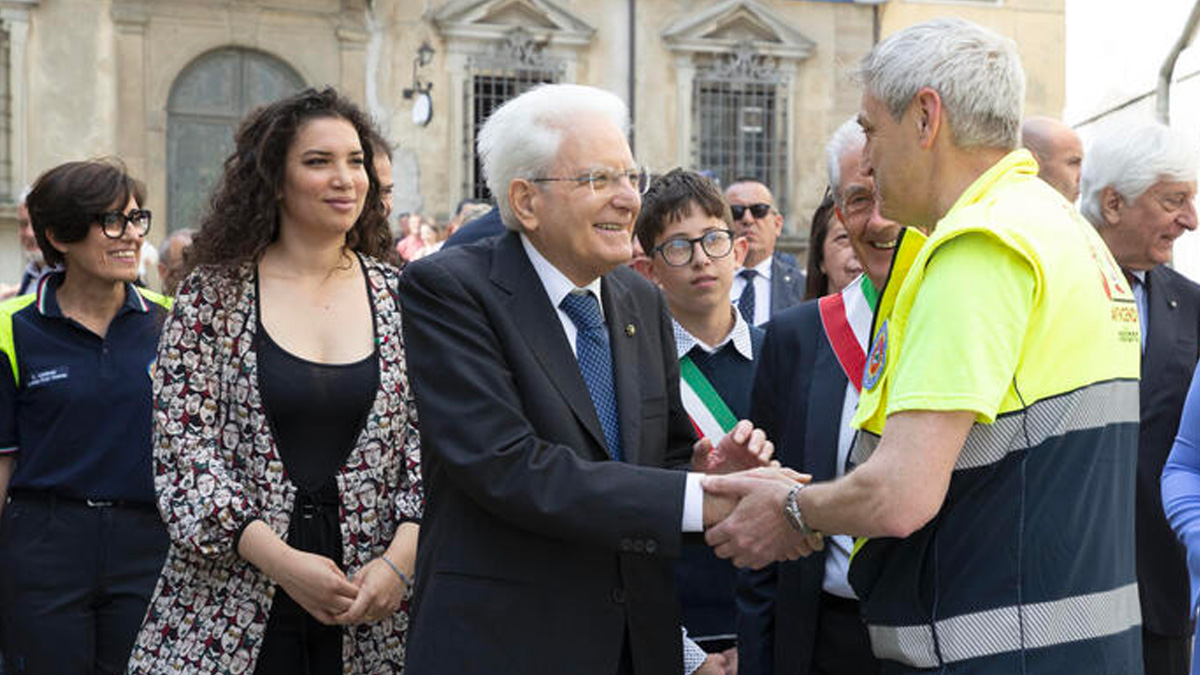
998 418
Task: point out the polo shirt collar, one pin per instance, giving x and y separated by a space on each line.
47 297
739 336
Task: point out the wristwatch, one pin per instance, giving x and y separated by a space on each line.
791 509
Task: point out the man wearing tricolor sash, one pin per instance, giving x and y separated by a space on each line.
686 230
802 617
993 484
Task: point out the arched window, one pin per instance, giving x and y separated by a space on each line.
208 100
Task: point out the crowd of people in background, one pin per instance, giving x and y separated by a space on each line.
602 424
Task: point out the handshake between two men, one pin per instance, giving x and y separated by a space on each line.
749 500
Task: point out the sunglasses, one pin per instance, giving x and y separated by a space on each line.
756 210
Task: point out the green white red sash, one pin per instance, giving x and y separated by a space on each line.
846 317
711 417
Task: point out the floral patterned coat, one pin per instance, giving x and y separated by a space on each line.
216 466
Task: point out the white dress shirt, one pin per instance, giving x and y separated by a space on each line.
557 287
762 290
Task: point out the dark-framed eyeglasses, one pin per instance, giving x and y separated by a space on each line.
603 180
113 223
679 252
756 210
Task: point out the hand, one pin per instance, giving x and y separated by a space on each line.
8 290
713 665
744 447
757 532
380 593
730 661
317 585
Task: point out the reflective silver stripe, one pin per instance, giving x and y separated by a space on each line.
996 631
1092 407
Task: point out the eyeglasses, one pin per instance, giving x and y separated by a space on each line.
756 210
113 223
679 252
1174 203
605 179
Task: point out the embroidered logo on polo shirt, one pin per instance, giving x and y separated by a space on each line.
49 375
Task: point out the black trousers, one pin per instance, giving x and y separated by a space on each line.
842 646
1166 655
75 581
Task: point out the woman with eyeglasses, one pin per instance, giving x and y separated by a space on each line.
286 453
81 541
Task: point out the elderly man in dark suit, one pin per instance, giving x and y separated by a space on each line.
1139 188
801 617
548 391
769 281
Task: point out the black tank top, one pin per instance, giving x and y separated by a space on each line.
316 412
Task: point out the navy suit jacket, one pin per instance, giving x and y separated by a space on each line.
787 282
797 400
538 554
1172 348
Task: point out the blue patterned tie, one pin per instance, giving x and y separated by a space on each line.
595 363
746 301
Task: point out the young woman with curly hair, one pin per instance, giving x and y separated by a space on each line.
286 455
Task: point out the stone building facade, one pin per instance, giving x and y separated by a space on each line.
738 87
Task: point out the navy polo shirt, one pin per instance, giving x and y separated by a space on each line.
75 408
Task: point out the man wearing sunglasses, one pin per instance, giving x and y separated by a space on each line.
769 281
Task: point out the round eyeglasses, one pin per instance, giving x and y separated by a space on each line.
679 252
113 223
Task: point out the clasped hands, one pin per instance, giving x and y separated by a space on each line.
744 495
317 585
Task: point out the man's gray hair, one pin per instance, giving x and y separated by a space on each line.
1130 159
849 136
976 72
521 138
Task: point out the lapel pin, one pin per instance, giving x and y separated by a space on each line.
630 329
1173 304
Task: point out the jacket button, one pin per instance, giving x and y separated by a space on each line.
639 546
651 546
617 595
626 545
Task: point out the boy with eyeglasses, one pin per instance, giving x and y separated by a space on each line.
686 229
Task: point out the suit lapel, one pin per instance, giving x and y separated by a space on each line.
1161 325
824 413
619 313
530 307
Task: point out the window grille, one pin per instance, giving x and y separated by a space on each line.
508 70
740 124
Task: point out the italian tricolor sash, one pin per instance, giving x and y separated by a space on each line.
846 317
710 416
